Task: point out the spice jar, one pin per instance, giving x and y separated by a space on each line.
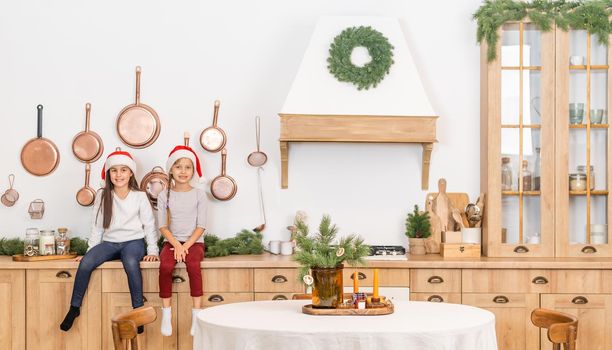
582 170
506 173
31 243
62 242
577 182
47 242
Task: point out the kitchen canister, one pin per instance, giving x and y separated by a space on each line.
286 248
470 235
31 244
47 242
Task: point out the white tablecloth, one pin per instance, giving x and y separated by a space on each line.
282 325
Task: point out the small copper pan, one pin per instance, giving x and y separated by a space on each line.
40 156
86 195
213 138
138 124
223 187
87 146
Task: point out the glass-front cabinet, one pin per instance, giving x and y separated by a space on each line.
517 144
545 144
582 145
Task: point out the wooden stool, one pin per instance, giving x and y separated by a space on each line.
562 328
124 326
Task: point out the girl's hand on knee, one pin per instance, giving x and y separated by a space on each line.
150 258
78 258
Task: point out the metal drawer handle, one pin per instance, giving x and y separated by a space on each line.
521 249
539 280
63 274
501 299
178 279
279 279
215 298
589 250
435 299
580 300
435 280
360 276
279 297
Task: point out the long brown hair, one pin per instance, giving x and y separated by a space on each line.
107 198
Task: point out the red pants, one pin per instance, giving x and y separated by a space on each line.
192 260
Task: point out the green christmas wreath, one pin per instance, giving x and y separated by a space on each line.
373 72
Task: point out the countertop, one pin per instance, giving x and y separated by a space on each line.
267 260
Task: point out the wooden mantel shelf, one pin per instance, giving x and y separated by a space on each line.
357 128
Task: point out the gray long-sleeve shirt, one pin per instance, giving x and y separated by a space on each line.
187 211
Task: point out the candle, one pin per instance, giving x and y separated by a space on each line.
375 289
355 282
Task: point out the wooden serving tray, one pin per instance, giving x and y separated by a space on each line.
21 257
384 310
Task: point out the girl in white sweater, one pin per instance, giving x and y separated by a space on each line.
122 219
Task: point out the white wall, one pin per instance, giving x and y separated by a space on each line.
245 53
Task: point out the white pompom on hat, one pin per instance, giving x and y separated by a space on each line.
186 152
119 157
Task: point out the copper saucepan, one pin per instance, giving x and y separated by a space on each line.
86 195
223 187
138 124
87 146
40 156
153 183
213 138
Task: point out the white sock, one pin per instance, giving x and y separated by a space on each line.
193 320
166 324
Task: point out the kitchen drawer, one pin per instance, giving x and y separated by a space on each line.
56 275
214 299
227 280
274 296
386 277
435 280
583 281
115 281
507 281
277 280
453 298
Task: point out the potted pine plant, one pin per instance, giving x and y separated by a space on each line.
418 227
322 257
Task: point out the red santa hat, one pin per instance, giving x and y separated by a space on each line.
186 152
119 157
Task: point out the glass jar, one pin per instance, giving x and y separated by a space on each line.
47 242
526 175
62 242
506 172
577 182
582 170
31 243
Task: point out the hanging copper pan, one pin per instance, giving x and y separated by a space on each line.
138 124
153 183
223 187
40 156
213 138
87 146
86 195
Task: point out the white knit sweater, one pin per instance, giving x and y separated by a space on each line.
132 219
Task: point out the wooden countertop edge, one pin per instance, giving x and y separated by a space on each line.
276 261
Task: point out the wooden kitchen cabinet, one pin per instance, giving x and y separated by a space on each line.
48 296
277 280
387 277
512 311
12 313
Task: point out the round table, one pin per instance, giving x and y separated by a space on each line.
282 325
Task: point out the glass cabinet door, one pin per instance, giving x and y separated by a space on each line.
583 145
520 144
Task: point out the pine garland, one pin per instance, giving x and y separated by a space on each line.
591 16
379 48
245 242
418 224
322 250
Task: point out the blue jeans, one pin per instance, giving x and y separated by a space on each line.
130 253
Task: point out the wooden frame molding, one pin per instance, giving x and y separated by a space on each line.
357 128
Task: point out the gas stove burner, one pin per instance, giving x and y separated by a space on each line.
384 250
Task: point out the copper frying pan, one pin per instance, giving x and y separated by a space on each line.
40 156
86 195
87 146
213 138
223 187
138 124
